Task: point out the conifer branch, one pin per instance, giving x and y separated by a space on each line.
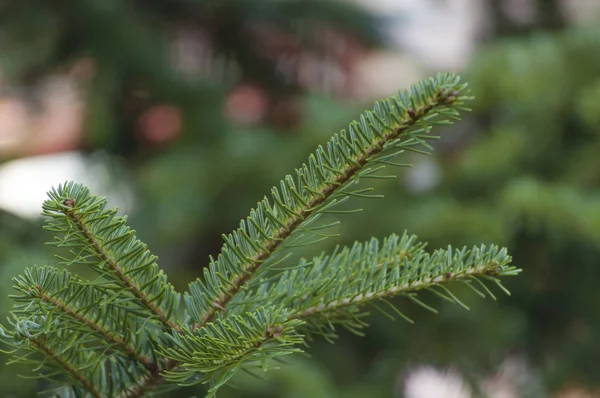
115 251
111 263
334 306
123 336
59 291
331 288
318 183
67 352
216 351
65 364
393 126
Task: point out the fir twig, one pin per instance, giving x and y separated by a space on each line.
331 288
105 257
61 292
63 363
124 334
327 172
100 239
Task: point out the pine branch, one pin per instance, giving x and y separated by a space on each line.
122 335
213 354
396 124
75 353
83 304
217 351
98 238
74 373
106 244
332 288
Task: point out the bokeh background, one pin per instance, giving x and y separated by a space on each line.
185 112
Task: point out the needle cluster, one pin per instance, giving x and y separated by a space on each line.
128 333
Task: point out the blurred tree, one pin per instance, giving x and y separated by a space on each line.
523 173
182 53
523 18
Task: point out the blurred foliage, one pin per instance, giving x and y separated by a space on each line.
126 56
522 171
525 176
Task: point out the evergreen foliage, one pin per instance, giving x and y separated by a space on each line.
128 333
524 175
137 55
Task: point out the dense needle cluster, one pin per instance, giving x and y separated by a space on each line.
128 333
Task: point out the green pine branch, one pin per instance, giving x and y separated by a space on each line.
333 288
100 239
395 124
75 356
127 333
213 354
40 343
58 292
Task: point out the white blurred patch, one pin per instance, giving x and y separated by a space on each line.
25 182
512 377
581 10
424 176
428 382
441 33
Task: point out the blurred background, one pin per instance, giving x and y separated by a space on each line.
185 112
